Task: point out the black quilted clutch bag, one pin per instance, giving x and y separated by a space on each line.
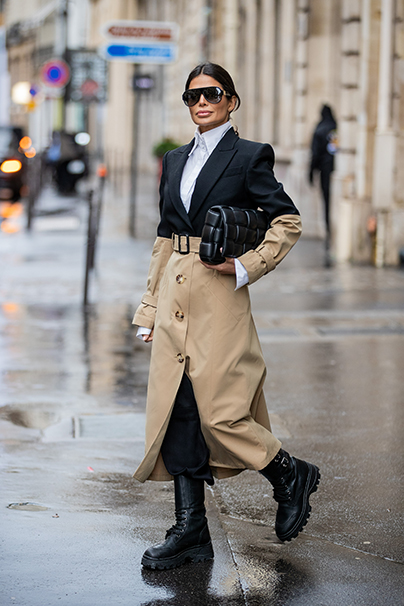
231 232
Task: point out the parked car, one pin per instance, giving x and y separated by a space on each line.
68 159
12 164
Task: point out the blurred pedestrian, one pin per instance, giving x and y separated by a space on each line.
206 412
324 145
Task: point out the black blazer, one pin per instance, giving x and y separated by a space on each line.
237 173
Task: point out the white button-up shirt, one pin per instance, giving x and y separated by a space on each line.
204 145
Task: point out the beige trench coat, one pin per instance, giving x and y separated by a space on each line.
205 327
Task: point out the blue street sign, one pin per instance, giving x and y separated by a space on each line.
141 52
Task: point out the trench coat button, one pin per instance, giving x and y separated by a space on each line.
180 279
180 358
179 315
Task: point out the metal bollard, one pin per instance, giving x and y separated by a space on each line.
95 199
90 245
35 169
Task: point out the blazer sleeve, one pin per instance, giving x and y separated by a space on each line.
285 223
162 250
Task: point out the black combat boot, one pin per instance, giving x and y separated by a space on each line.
293 481
189 538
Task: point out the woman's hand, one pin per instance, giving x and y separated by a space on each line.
228 267
148 338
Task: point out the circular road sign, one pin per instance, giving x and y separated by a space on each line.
55 73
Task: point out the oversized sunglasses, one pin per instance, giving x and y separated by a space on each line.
212 94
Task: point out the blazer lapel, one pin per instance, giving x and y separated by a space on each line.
213 170
174 175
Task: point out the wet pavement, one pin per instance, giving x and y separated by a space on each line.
74 524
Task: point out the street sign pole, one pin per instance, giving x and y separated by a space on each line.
134 157
61 48
139 42
141 83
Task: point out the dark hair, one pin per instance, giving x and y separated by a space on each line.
218 73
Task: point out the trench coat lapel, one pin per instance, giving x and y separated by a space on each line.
212 171
179 160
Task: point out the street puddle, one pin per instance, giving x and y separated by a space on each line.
32 419
27 507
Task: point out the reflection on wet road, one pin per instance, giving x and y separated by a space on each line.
52 351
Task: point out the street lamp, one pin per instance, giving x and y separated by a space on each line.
21 93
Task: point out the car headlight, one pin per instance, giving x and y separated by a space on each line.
76 167
10 166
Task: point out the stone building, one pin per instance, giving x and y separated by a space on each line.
38 31
287 57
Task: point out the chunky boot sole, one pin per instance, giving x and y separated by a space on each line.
313 479
200 553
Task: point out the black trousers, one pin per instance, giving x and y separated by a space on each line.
184 449
325 177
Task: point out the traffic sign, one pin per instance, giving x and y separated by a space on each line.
150 31
89 76
140 53
140 41
55 73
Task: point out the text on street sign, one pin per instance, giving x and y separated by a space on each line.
152 31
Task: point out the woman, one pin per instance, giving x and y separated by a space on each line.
206 412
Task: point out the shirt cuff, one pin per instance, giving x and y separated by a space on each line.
241 274
142 331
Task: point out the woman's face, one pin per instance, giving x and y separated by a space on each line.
209 115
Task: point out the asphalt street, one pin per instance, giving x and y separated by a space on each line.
74 524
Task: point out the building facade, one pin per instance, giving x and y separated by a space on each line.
288 58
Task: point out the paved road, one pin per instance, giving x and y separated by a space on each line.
72 400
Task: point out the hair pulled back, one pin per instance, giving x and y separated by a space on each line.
218 73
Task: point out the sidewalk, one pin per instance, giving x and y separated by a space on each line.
72 401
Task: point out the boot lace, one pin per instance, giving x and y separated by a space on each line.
281 490
180 524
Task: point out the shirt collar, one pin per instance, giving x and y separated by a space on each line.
210 138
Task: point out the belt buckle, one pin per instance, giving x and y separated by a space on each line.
183 252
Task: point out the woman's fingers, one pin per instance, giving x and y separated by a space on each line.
148 338
227 267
